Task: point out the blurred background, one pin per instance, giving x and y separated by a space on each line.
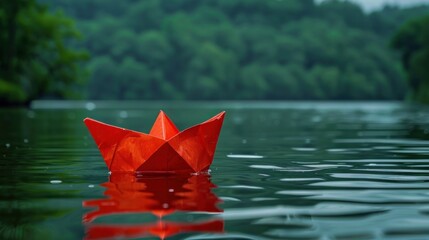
214 50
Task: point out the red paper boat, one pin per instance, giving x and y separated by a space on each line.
163 150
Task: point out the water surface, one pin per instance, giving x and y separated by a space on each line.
300 170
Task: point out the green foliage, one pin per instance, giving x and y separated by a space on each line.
412 40
35 60
239 49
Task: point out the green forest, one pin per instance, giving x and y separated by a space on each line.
234 49
36 60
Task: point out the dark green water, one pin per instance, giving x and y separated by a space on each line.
281 171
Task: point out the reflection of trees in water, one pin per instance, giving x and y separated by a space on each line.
29 159
19 219
418 132
157 195
28 199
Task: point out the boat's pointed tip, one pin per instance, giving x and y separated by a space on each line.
163 127
162 114
218 117
88 120
221 115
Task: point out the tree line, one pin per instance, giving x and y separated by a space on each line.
412 41
238 49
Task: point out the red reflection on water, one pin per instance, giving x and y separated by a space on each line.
162 229
157 194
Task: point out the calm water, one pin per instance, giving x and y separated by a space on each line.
281 171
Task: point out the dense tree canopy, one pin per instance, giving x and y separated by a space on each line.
412 40
239 49
34 58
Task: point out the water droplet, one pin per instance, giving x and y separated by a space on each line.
170 190
90 106
7 145
90 185
56 181
123 114
165 205
244 141
316 119
25 140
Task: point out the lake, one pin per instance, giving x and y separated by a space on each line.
282 170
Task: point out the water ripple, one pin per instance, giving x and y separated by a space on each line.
397 141
319 210
242 187
327 165
304 149
265 167
379 177
244 156
382 161
410 151
392 170
381 165
261 199
371 184
300 179
226 199
312 172
365 196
